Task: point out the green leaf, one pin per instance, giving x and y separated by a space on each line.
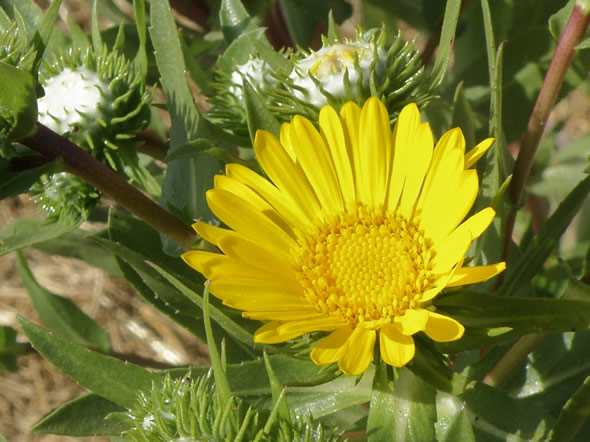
80 244
401 409
183 189
27 232
140 61
546 240
257 114
234 20
85 416
495 416
558 21
452 426
277 390
236 330
13 183
304 17
43 32
95 30
447 36
9 348
520 315
119 382
18 102
463 116
573 416
60 314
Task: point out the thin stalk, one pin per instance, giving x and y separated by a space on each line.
513 358
80 163
562 58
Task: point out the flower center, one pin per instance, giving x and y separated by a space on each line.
365 266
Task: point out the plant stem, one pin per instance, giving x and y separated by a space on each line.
80 163
562 58
513 358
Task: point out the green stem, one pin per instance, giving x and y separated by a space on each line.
562 58
513 358
82 164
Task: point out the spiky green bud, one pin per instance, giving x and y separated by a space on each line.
191 410
98 101
341 71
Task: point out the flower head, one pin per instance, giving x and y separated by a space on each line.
354 233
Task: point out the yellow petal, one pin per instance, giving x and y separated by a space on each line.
268 334
396 349
310 324
246 220
478 223
252 254
412 321
256 301
472 275
254 199
331 130
451 250
449 204
442 328
296 313
350 116
211 233
403 139
316 162
359 352
240 287
285 138
417 165
282 203
440 283
375 153
285 174
477 152
329 349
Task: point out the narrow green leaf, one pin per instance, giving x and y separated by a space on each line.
95 30
523 315
9 348
446 41
496 416
463 116
85 416
26 232
221 384
43 32
573 416
490 41
457 429
14 183
234 20
79 38
18 100
401 410
183 189
119 382
80 245
140 60
277 390
546 240
259 117
60 314
232 327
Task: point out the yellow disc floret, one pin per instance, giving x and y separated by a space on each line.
365 266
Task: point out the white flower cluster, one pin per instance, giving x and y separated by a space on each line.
72 97
329 65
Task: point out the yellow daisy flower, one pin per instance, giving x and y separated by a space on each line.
354 232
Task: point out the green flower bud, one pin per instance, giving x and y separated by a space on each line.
98 101
191 410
